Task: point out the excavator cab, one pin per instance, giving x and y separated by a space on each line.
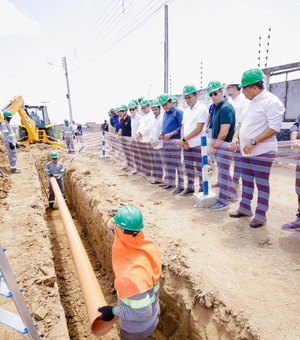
35 124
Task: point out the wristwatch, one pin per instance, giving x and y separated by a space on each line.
253 141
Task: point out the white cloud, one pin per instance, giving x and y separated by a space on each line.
14 22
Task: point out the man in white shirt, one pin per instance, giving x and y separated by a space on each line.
134 143
258 145
194 118
144 129
157 142
240 103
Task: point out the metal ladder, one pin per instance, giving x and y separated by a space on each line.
23 322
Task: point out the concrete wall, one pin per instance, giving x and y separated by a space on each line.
289 93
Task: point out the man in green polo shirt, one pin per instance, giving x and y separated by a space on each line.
222 132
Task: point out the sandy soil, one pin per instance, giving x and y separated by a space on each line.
25 235
252 274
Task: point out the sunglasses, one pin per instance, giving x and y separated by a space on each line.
214 94
122 111
133 109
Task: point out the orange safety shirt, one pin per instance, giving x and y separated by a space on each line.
136 263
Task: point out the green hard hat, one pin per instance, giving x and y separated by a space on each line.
129 217
122 108
251 77
66 121
136 102
214 86
144 102
109 113
164 98
188 89
155 103
139 100
132 104
174 99
7 114
53 155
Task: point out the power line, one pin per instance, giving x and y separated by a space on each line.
109 23
130 30
141 19
94 26
101 25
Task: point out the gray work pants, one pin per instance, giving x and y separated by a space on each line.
69 143
12 156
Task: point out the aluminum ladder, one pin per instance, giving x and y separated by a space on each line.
23 322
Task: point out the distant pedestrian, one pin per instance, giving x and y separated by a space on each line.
194 118
68 136
55 169
136 262
10 142
258 144
104 126
79 134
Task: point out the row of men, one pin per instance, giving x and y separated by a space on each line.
248 125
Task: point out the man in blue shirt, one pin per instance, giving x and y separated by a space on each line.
172 151
114 120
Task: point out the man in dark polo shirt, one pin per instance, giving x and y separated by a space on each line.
172 121
223 127
124 134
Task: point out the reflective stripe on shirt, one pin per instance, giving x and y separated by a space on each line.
137 304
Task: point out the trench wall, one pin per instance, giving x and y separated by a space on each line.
186 313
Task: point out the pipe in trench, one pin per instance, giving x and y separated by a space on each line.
92 294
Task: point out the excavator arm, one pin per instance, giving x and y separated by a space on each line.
29 132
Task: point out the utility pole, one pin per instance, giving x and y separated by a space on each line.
166 50
64 63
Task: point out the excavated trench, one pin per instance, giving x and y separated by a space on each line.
186 312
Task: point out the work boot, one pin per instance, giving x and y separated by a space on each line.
292 226
51 205
15 171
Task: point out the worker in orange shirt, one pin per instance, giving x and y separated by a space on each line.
136 263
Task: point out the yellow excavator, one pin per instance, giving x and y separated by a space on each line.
36 126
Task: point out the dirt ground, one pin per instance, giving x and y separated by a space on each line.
252 274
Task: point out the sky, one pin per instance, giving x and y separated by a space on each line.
115 49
